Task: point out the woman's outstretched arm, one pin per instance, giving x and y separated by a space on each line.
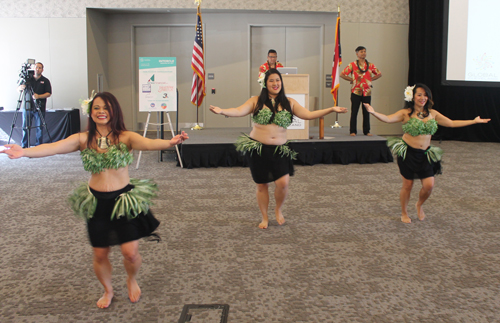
68 145
241 111
392 118
139 142
446 122
305 114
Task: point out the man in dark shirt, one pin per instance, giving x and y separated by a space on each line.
41 91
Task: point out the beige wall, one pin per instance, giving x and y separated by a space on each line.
60 44
227 55
63 30
387 48
372 11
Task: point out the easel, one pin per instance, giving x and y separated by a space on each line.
159 132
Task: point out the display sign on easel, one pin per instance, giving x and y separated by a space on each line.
157 84
157 91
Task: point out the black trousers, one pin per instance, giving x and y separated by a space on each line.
356 101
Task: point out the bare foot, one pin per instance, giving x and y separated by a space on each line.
420 212
353 134
280 218
105 300
405 218
263 224
134 292
369 134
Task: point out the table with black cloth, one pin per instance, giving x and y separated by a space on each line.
60 123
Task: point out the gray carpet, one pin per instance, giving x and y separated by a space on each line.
342 256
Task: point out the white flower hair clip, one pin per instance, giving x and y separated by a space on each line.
85 104
261 79
409 93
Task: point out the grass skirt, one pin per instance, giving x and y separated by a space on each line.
130 203
416 163
267 162
105 231
116 217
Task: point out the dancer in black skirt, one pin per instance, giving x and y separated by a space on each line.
270 159
115 206
416 157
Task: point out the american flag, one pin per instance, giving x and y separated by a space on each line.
337 61
198 85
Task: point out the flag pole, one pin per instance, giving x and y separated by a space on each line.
322 128
197 126
337 125
197 77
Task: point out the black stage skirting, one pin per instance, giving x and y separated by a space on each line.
215 148
60 124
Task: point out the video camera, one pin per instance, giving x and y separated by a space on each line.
27 73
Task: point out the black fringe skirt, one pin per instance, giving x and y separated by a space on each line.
104 232
269 165
417 165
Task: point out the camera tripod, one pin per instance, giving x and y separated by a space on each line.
32 106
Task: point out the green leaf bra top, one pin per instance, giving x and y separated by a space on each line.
415 127
117 156
282 118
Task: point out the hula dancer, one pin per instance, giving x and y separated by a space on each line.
115 207
269 156
416 157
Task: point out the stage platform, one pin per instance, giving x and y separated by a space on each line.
214 147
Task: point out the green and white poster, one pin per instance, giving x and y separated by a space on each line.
157 84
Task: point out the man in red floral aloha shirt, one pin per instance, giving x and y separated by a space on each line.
272 62
363 74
